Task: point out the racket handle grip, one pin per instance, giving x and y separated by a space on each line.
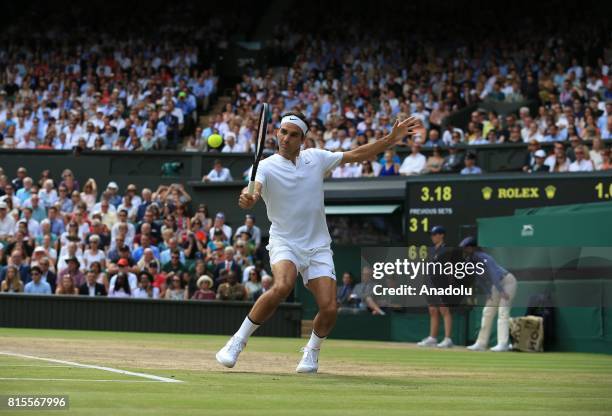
251 188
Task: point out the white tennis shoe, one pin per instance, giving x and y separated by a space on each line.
309 362
446 343
228 355
501 348
428 342
476 347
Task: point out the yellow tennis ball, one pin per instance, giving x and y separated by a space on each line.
215 140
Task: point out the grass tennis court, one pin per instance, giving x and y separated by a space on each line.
361 378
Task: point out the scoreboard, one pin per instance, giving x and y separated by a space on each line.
456 201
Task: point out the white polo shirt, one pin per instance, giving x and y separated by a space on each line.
294 197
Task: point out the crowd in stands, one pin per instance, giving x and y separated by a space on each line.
146 92
352 84
62 236
65 85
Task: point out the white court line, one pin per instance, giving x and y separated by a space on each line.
35 365
75 379
95 367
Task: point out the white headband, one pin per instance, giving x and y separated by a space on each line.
297 121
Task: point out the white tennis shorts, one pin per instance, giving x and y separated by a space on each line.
310 263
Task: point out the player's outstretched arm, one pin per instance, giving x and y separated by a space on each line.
400 130
247 200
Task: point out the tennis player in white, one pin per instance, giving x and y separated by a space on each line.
291 185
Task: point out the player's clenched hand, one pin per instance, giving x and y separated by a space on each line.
247 200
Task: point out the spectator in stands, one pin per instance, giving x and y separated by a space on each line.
366 170
204 292
414 163
94 253
101 276
595 154
17 260
47 195
344 292
539 166
250 227
146 201
266 284
581 164
434 162
120 286
9 197
390 167
64 203
145 289
253 284
231 289
7 223
560 162
606 130
258 264
189 283
69 182
363 291
175 265
530 161
220 225
37 285
176 290
11 282
434 139
123 269
218 173
38 212
231 146
22 173
145 244
173 250
228 263
575 142
91 287
47 274
113 194
25 191
90 193
470 165
124 227
72 271
66 286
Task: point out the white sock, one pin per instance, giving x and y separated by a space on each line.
246 329
315 341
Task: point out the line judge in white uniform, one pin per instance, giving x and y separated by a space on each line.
291 185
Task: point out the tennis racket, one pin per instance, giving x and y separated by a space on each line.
259 144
